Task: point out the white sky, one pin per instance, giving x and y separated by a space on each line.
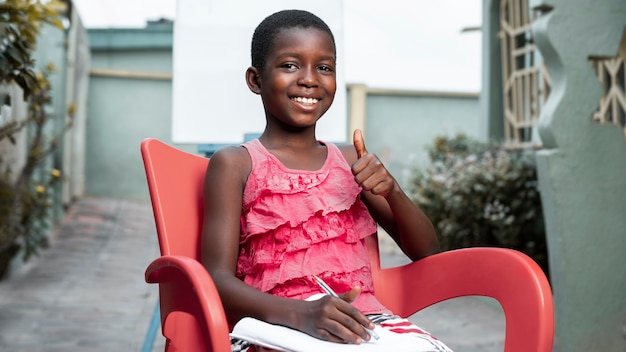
402 44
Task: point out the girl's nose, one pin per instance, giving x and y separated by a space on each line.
308 77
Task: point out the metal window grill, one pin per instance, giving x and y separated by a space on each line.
611 73
526 83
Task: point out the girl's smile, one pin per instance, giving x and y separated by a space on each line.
305 101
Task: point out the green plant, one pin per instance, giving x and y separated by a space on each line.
481 194
20 24
25 193
25 202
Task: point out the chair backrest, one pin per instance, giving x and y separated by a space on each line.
192 315
175 181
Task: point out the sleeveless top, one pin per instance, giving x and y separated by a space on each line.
300 223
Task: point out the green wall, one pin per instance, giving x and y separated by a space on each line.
398 127
581 176
129 100
125 112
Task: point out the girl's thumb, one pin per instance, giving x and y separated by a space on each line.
351 295
359 143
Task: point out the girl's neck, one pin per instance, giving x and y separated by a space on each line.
292 141
296 153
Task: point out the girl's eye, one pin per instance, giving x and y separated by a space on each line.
290 66
325 68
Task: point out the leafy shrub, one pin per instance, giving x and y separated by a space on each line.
20 24
25 195
481 194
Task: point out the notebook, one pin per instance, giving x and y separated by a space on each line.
282 338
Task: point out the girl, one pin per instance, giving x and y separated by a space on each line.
286 207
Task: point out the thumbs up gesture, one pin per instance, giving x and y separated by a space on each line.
369 172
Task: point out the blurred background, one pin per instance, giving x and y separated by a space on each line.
503 119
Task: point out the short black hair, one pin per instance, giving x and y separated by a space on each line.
267 30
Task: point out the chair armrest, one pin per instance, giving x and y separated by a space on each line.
509 276
186 287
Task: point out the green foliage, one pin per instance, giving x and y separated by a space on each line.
25 193
15 61
20 24
481 194
32 219
459 145
24 203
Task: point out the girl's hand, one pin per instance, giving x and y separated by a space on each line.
369 172
335 319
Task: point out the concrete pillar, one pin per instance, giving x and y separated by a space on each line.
492 121
357 98
77 87
581 175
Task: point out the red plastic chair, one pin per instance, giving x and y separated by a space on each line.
192 316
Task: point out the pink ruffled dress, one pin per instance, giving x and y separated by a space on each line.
298 223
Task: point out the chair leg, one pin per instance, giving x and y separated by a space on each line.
155 322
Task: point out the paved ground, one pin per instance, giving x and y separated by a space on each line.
86 292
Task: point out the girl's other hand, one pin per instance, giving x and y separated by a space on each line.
369 172
335 319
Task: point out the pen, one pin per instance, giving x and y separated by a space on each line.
330 291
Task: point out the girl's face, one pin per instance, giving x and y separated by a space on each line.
298 83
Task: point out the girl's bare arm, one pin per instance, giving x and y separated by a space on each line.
389 205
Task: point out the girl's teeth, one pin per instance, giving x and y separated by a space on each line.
305 100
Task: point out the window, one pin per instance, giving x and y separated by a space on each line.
526 83
612 74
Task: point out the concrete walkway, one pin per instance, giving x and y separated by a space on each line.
86 292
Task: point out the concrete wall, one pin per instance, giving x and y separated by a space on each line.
130 99
400 125
76 92
581 175
51 50
13 155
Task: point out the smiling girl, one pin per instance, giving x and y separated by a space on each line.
286 207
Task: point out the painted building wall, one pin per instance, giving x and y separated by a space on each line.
50 51
400 125
76 93
130 99
581 174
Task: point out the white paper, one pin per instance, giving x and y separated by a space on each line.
282 338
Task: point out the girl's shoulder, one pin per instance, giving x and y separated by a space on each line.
231 160
348 152
236 153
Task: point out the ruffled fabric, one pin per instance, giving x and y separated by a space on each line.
282 246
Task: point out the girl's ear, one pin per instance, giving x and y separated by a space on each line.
253 80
